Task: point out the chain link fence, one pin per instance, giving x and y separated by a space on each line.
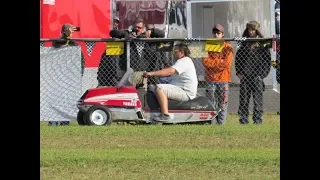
252 58
60 82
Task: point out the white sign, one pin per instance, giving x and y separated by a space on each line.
129 103
50 2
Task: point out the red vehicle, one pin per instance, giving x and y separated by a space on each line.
128 102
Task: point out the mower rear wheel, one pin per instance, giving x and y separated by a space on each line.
98 116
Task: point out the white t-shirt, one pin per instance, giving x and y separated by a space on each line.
186 77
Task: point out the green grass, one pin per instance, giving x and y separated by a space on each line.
231 151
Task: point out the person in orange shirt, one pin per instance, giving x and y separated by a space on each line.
218 74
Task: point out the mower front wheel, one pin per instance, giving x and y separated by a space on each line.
80 118
98 116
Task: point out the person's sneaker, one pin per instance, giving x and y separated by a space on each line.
162 117
64 123
53 123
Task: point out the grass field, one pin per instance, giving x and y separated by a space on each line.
191 152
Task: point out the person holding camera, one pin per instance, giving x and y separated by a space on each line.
143 55
67 31
138 30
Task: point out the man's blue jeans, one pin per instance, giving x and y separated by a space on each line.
218 93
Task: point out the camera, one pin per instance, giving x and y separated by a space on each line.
77 29
132 31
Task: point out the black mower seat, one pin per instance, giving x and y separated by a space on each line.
201 103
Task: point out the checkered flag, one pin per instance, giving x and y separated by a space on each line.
90 46
239 40
188 41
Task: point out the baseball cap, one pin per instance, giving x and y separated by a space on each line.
218 27
116 18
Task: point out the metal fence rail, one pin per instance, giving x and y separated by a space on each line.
106 66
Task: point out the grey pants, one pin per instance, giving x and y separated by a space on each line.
172 92
248 86
218 93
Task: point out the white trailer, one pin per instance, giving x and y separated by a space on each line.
232 14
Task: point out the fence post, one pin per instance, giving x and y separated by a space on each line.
273 70
128 54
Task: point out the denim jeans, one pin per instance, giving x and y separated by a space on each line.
218 93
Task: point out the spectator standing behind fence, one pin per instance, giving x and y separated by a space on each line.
64 40
277 6
218 74
66 33
277 24
142 56
116 22
252 64
109 72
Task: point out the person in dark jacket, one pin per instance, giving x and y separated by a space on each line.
64 40
252 64
143 56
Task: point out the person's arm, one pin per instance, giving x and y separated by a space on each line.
209 62
266 63
115 33
226 60
163 72
155 32
179 67
219 63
